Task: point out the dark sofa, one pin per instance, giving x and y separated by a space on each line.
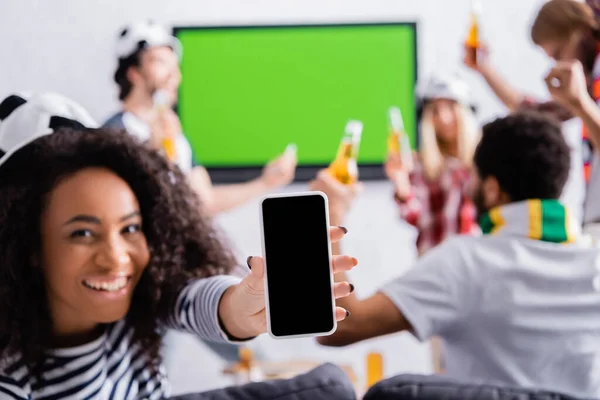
419 387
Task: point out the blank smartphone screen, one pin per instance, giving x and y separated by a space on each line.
298 270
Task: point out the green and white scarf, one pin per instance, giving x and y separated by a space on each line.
545 220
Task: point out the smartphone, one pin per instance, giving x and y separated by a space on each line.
298 272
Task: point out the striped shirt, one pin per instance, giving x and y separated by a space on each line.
111 367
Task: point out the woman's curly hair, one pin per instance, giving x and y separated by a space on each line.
183 243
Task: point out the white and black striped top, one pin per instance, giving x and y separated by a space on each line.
109 367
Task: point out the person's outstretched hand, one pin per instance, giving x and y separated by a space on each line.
280 171
242 309
399 175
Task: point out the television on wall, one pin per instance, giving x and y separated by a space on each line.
249 91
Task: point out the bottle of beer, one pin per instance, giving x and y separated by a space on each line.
374 368
345 168
161 103
398 143
291 151
247 369
473 41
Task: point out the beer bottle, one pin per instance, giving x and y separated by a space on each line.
398 143
344 168
247 369
291 151
374 368
161 103
473 41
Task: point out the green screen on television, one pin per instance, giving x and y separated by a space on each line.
247 92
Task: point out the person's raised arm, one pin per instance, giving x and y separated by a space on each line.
373 317
226 308
510 96
197 309
383 317
403 180
432 297
568 85
221 198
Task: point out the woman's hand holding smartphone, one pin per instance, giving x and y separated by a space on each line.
243 310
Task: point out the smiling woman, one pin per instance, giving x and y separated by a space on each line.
97 230
103 248
94 250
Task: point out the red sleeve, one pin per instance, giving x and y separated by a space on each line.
410 209
550 107
467 212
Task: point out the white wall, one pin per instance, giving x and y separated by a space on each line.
67 45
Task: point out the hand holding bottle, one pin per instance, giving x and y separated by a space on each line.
341 196
281 171
398 142
399 175
344 167
475 56
165 125
481 60
567 84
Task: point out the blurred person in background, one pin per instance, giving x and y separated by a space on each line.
568 31
148 76
432 193
517 305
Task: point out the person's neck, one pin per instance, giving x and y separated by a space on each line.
448 149
70 328
78 338
140 106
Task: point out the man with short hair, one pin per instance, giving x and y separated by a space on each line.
148 76
518 305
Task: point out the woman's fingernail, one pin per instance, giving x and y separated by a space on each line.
351 288
344 229
347 313
248 261
354 262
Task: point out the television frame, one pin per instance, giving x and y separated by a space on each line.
304 172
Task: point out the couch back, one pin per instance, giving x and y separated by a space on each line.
419 387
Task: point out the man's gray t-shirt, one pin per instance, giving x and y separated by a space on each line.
509 309
136 127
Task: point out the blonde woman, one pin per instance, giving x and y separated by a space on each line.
433 190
